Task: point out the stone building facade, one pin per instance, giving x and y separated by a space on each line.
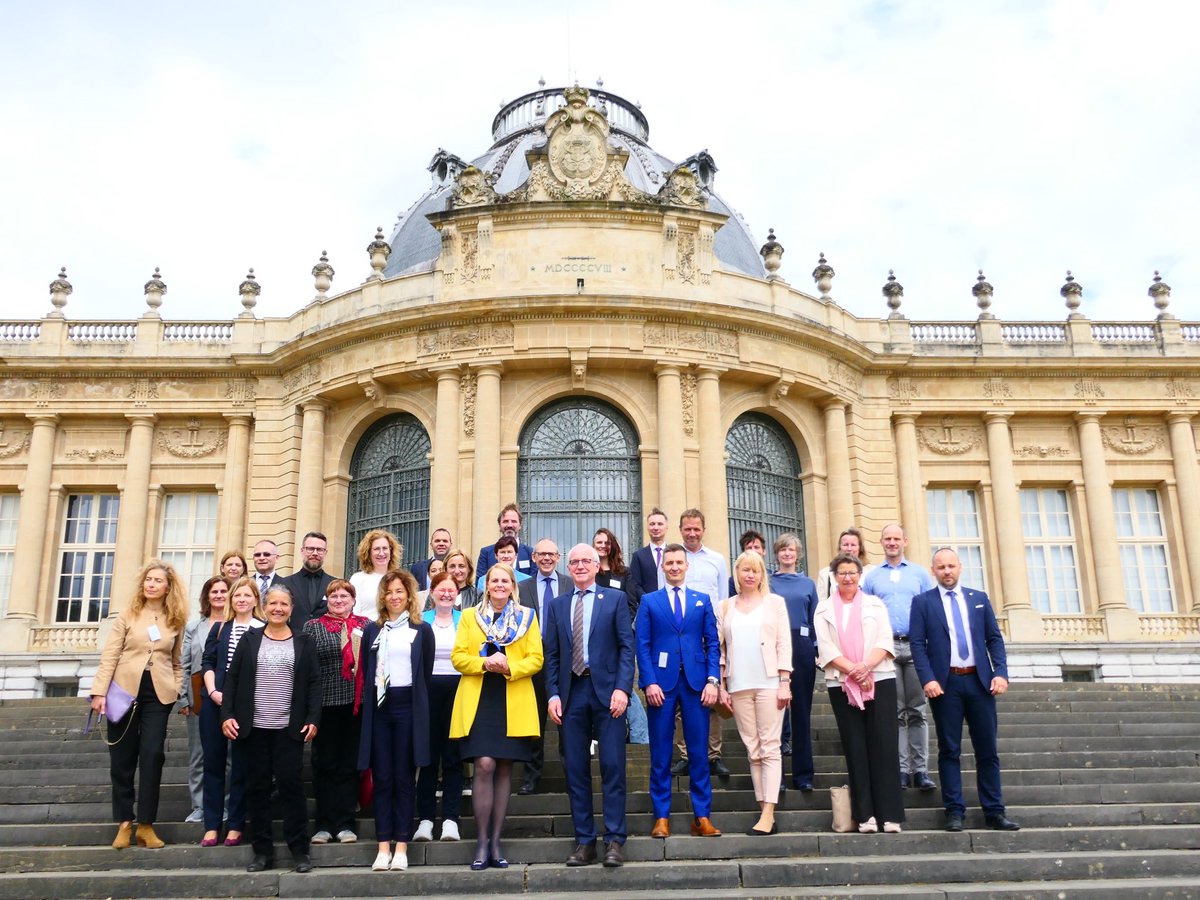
575 322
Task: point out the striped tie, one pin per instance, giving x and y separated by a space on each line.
577 666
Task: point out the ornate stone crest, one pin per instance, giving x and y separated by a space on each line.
1131 440
578 142
949 439
473 188
191 441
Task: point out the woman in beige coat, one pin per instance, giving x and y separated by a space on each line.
756 678
142 656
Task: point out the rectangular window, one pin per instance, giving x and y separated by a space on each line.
954 522
10 509
1142 545
88 546
189 536
1050 550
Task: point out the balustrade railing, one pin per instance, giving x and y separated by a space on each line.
943 333
199 332
1190 332
102 332
1181 625
1124 333
1033 333
1075 628
16 332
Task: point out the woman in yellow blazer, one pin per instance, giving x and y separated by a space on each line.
497 648
142 656
756 676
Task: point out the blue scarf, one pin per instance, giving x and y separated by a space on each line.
503 627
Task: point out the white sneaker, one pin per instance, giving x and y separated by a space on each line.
868 827
321 837
346 836
424 831
891 827
399 861
450 830
196 815
381 861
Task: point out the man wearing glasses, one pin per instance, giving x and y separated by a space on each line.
266 555
537 593
309 582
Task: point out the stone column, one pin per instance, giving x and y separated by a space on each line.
31 534
1187 481
486 479
312 476
908 476
837 468
129 556
672 495
232 533
1024 623
710 432
443 468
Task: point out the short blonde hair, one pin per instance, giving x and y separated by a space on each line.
753 559
410 588
249 582
507 570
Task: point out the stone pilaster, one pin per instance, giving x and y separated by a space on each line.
1187 482
232 532
129 556
837 468
908 477
486 481
443 468
714 499
1024 623
312 476
672 494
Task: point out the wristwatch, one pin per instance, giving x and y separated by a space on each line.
715 682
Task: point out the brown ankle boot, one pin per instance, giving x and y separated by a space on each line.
124 833
147 838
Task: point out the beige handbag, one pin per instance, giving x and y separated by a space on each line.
839 800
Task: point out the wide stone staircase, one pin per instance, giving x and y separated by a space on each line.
1104 779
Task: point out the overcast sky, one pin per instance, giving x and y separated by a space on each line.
933 138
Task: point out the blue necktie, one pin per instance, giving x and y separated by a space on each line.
678 609
547 592
960 631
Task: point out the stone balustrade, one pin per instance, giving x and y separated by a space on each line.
64 638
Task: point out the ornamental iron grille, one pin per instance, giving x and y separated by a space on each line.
578 471
762 477
389 486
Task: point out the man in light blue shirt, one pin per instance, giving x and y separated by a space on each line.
896 582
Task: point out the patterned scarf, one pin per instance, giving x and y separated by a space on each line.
380 646
850 639
503 627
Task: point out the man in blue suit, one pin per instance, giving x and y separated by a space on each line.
509 521
588 646
645 569
959 655
679 662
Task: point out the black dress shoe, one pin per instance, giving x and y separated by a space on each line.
717 766
754 832
1001 823
260 863
614 857
529 787
923 781
905 780
583 855
303 862
680 766
953 822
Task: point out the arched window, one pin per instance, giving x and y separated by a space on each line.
389 486
578 471
762 480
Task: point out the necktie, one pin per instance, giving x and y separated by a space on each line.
547 590
264 580
678 608
960 631
658 557
577 665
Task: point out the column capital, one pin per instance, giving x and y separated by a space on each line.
446 372
315 404
142 419
663 368
37 419
488 368
1176 417
997 416
1089 415
833 403
238 418
710 373
905 418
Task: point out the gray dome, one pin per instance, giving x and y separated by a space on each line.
518 127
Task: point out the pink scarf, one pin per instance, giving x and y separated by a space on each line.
850 639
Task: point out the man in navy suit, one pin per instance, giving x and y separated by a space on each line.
538 593
959 655
509 521
440 543
645 569
588 646
679 662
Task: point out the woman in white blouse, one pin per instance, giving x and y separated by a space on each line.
378 553
849 541
756 675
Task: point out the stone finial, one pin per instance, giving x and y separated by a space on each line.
893 291
249 289
1072 291
154 290
60 290
1160 292
322 274
823 276
983 296
772 254
380 250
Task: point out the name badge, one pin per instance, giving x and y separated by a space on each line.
803 631
662 660
615 584
522 564
155 634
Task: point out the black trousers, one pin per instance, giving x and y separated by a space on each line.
871 742
443 754
271 752
537 758
335 768
140 747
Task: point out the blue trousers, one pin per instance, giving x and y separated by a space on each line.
584 716
216 746
804 675
392 767
966 698
695 718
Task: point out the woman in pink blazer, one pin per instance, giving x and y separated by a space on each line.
756 676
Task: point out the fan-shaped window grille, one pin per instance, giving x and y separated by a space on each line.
762 477
389 486
579 470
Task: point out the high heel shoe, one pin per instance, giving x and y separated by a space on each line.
124 835
147 838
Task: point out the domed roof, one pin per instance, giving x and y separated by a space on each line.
518 127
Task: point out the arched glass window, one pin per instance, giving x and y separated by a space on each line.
389 486
579 470
762 478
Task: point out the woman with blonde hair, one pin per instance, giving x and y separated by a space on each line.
141 666
378 553
397 667
756 674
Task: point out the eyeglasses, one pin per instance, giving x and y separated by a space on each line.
847 574
546 553
316 550
264 555
581 562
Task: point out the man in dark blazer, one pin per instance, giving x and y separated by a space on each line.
440 543
509 521
537 593
679 664
265 556
589 673
959 656
308 583
645 568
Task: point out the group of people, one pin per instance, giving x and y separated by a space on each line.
399 677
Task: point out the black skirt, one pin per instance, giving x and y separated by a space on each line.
489 731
